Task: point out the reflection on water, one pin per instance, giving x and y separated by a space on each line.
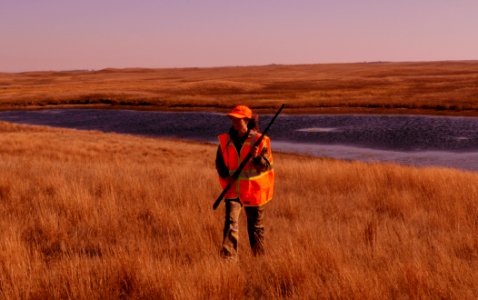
415 140
462 160
318 129
397 133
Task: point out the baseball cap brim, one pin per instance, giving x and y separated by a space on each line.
239 116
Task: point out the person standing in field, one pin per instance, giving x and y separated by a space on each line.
255 185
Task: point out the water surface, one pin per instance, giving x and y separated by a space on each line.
414 140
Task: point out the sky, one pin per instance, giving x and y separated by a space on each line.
97 34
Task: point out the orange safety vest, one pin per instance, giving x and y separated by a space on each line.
253 188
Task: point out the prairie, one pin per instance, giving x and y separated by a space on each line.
449 87
90 215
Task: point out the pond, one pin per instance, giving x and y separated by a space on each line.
406 139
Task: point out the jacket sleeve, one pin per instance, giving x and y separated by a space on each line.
221 167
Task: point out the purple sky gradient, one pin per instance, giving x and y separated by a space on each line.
96 34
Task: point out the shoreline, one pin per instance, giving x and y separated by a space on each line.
284 153
94 118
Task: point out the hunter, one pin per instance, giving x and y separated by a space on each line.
255 185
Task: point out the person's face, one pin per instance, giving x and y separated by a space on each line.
239 124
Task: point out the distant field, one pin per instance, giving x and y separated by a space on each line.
429 87
89 215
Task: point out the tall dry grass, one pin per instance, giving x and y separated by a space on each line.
421 87
88 215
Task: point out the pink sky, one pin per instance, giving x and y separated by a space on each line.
95 34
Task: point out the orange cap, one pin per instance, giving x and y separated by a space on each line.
241 112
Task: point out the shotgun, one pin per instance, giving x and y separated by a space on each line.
236 174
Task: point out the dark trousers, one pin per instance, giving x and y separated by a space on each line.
255 228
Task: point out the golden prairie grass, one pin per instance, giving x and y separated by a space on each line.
420 87
89 215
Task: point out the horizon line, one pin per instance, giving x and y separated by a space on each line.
239 66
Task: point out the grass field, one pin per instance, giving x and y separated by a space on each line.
428 87
89 215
